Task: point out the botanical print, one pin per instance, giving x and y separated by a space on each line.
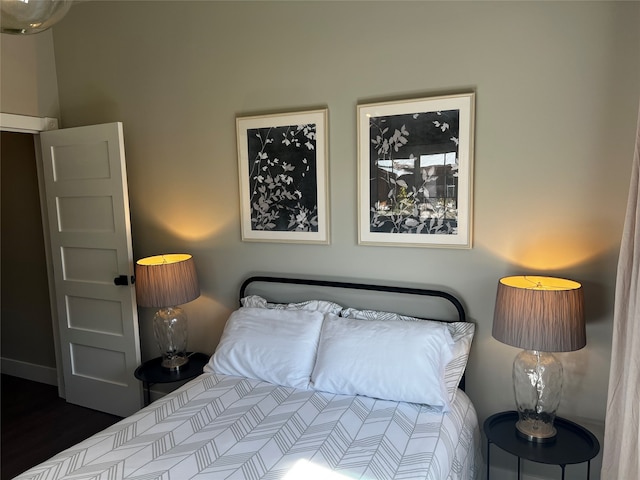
282 163
414 173
282 178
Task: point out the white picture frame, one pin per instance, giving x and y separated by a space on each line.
415 172
283 173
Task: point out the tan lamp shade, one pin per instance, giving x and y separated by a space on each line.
166 280
540 313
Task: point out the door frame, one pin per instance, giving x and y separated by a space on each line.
34 125
10 122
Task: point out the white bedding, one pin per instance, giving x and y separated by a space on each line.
227 427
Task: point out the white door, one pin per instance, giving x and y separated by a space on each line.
88 214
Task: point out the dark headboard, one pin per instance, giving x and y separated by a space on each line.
308 289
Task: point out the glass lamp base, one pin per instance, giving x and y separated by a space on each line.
170 330
174 362
534 430
537 382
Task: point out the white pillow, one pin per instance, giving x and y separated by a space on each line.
390 360
314 305
277 346
461 332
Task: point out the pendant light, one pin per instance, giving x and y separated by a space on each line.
31 16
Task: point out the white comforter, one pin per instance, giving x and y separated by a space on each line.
224 427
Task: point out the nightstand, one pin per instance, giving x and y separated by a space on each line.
151 372
573 443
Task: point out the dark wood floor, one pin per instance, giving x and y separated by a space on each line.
36 424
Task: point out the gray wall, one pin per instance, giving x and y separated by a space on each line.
28 84
557 87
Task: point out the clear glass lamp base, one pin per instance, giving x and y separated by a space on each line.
174 362
535 430
170 330
537 383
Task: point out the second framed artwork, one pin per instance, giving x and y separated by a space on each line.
415 172
283 167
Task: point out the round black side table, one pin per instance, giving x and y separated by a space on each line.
151 372
573 443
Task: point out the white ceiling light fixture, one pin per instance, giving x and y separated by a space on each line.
31 16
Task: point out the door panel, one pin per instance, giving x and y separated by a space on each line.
86 214
95 315
88 211
70 162
100 364
96 265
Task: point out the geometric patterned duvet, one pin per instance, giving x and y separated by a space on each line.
226 427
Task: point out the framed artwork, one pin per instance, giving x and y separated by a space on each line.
283 167
415 169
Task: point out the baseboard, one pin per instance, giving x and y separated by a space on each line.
29 371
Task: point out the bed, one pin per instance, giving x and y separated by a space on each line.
311 379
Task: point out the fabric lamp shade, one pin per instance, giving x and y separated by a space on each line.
166 280
540 313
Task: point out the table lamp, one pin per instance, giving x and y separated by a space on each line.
540 315
166 281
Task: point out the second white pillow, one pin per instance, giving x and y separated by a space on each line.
390 360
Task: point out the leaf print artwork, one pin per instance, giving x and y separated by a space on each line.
281 172
413 165
415 172
282 163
